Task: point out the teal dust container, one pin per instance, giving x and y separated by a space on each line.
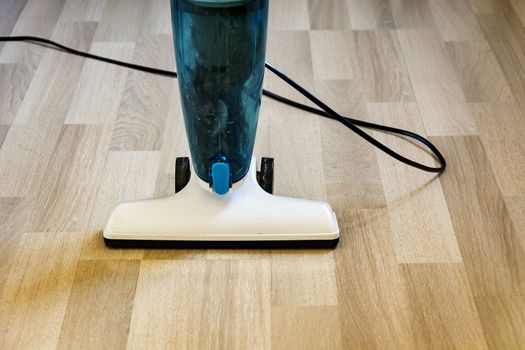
220 51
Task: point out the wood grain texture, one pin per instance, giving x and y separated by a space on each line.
333 55
13 94
436 85
492 254
289 15
13 221
328 14
68 189
421 224
9 12
486 6
35 296
373 14
423 261
126 176
37 17
506 40
352 179
503 144
83 10
24 154
100 88
234 296
120 21
503 321
372 299
383 67
299 279
412 14
143 110
289 51
155 24
479 72
454 20
318 326
445 314
49 96
174 140
106 289
519 9
4 129
516 207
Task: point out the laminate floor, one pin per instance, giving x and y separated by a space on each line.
423 261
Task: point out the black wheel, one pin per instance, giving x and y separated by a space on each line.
265 175
182 173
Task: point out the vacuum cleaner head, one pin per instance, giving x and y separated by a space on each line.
245 217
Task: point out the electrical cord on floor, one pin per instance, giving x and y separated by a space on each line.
324 111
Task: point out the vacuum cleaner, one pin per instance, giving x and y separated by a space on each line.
221 199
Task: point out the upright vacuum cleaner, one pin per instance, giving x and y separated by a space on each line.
225 202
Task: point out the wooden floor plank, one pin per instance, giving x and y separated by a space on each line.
443 312
423 262
9 12
455 20
373 14
101 300
349 184
503 144
126 176
372 300
24 156
519 9
319 324
421 224
174 140
120 20
234 296
328 15
38 18
14 212
290 52
480 75
507 43
503 321
294 140
288 15
383 69
157 20
4 129
35 296
298 155
486 6
412 14
516 207
13 94
83 10
350 167
436 85
333 55
68 190
49 96
100 86
493 257
303 280
143 110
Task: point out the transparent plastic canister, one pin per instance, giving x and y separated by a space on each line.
220 52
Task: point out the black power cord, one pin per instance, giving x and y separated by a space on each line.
324 111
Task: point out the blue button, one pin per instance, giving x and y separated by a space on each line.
220 177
